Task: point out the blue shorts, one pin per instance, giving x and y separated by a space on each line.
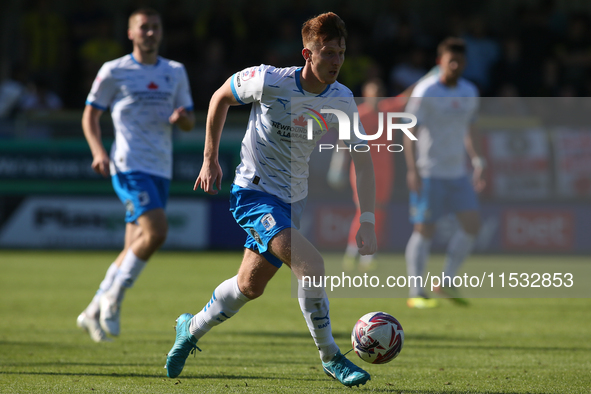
263 216
439 196
140 192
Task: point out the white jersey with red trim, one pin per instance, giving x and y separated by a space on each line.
275 149
444 115
142 98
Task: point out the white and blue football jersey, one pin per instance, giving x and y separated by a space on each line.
275 149
444 115
141 97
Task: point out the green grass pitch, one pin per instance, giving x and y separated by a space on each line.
493 346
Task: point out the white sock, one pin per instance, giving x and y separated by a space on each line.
226 301
92 310
366 260
315 308
352 250
417 252
459 247
130 269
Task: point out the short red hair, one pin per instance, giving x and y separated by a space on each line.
322 28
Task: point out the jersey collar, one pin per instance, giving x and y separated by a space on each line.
448 87
145 65
298 72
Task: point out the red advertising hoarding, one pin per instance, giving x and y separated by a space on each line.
538 230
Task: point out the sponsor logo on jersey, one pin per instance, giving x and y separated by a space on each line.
151 97
290 132
238 80
248 73
301 121
152 86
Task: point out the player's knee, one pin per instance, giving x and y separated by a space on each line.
426 230
252 290
472 225
473 228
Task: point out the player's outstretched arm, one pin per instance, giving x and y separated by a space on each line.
92 132
366 192
211 172
413 180
184 119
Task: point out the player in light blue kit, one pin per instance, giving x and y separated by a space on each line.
147 95
445 106
271 186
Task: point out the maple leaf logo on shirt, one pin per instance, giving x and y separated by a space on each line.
152 86
301 121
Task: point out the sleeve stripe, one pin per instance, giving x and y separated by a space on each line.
234 92
95 105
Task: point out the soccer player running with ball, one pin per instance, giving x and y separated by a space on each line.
445 106
147 95
270 190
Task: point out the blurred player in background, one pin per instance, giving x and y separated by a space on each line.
383 161
445 106
270 190
147 95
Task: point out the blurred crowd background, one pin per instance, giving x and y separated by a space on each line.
531 60
51 50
